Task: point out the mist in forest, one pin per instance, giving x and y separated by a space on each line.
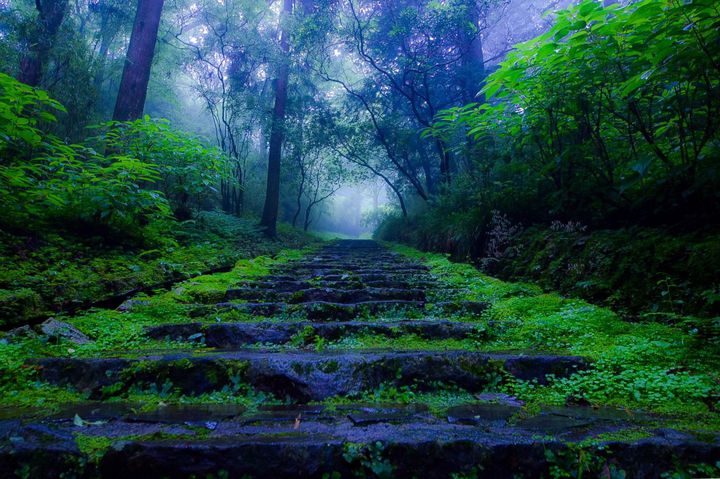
335 115
215 75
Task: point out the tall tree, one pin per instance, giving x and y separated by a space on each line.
50 16
427 56
136 73
472 63
277 133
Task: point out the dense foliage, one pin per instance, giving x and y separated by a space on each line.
609 119
130 179
612 116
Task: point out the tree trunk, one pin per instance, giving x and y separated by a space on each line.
50 16
107 35
308 213
301 191
136 72
472 67
277 133
444 162
427 171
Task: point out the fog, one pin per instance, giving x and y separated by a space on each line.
354 211
214 76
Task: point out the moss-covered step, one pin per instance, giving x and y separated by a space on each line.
316 310
284 285
365 278
327 294
234 335
311 272
326 311
302 376
353 441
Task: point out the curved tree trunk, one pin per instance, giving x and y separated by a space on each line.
136 72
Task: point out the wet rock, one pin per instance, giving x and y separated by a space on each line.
368 415
331 295
59 329
478 414
22 332
499 398
233 335
175 332
86 375
132 304
193 414
321 310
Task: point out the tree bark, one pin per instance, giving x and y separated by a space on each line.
472 64
50 16
444 162
277 133
301 191
427 171
136 72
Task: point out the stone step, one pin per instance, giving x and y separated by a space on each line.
356 259
314 310
286 286
329 295
301 376
492 409
495 441
234 335
344 276
325 311
354 265
341 270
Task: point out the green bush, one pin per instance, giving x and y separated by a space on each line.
609 116
44 181
188 169
128 181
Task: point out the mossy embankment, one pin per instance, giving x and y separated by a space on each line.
50 272
637 271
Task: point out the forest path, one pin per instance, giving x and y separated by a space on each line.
336 364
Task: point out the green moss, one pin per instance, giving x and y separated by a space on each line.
94 447
624 435
60 271
641 365
19 305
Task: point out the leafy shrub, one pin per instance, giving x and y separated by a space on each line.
43 180
608 113
188 170
122 184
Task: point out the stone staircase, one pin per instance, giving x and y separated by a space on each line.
328 425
